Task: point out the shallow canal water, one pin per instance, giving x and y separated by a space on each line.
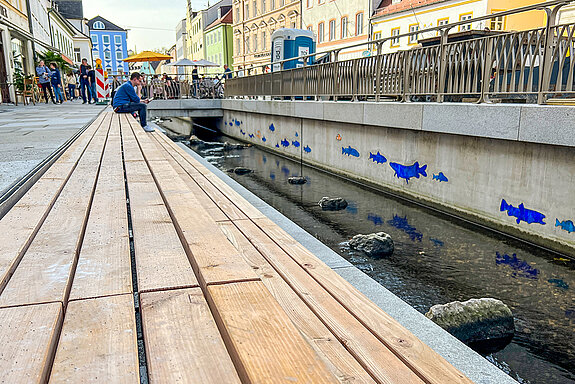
437 259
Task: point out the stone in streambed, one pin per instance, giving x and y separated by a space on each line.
332 203
375 244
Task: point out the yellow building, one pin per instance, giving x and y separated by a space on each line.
254 23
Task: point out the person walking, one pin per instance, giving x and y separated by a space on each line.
92 84
84 82
126 101
44 77
71 80
227 72
56 80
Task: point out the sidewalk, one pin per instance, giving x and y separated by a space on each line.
29 134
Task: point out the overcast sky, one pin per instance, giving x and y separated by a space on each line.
151 24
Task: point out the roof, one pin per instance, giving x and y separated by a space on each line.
225 19
108 25
386 7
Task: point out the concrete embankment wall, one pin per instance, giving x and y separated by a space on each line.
473 156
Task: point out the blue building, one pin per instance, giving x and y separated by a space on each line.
109 43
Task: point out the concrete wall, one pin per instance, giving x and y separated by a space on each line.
488 153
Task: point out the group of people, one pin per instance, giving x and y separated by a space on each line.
52 84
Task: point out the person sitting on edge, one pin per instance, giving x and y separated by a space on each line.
126 101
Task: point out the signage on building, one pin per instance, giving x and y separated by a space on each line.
265 54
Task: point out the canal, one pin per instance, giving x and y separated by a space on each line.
437 258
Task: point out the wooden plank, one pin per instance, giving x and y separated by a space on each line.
44 272
104 266
421 358
28 336
214 259
98 342
339 361
264 343
20 225
183 344
371 353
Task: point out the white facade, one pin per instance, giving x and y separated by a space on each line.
62 34
40 23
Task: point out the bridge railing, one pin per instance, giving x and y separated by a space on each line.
531 65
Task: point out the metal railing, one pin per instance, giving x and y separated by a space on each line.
531 65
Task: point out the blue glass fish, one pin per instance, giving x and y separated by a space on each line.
264 139
237 123
242 132
379 158
251 135
440 177
559 283
296 134
277 145
272 127
401 223
231 124
286 171
285 143
307 149
377 220
295 143
408 171
522 214
521 268
264 159
272 176
437 242
566 225
349 151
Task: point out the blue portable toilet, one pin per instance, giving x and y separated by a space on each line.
291 42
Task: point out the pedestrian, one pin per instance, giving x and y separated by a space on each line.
240 71
84 82
92 84
195 81
126 101
227 72
44 77
71 80
56 80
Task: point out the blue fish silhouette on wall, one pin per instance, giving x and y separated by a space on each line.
264 139
251 135
272 176
296 134
272 127
440 177
559 283
408 171
376 219
237 123
437 242
566 225
277 145
307 149
264 159
295 143
401 223
285 143
377 158
231 124
285 170
349 151
520 268
522 214
242 132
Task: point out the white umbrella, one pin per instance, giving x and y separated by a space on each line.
205 63
183 63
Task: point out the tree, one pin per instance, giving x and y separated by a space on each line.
53 57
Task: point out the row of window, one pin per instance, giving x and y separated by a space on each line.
254 10
63 44
309 3
344 29
106 39
218 59
214 38
108 55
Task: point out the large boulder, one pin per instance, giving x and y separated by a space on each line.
375 244
240 170
332 203
297 180
475 321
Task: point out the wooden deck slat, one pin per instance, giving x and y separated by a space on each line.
98 342
104 266
267 345
183 343
44 273
340 362
27 342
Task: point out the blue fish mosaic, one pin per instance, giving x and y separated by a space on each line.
522 214
520 267
408 171
559 283
377 158
437 242
375 219
231 124
401 223
251 135
349 151
237 123
284 143
264 139
242 132
296 134
277 145
272 176
566 225
272 127
440 177
285 170
295 143
264 159
307 149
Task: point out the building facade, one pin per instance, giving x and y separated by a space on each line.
62 35
181 44
196 24
398 17
218 42
254 23
109 43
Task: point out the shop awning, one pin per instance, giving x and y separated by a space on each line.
67 60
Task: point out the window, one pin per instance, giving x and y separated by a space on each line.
320 32
320 1
331 30
273 4
255 42
293 24
106 39
412 39
465 27
77 55
441 22
255 8
118 39
309 3
395 40
343 27
94 40
264 40
497 23
107 55
247 12
98 25
359 24
237 14
247 45
310 28
238 47
119 55
263 6
377 36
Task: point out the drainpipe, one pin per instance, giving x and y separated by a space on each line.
31 32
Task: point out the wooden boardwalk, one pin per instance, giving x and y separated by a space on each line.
223 295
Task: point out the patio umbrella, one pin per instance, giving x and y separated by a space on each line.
183 63
205 63
146 56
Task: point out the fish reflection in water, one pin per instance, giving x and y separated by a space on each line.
286 171
559 283
437 242
401 223
377 220
520 267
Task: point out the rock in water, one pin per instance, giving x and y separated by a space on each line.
297 180
230 146
332 203
375 244
475 321
240 170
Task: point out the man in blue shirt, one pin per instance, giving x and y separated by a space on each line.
126 100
